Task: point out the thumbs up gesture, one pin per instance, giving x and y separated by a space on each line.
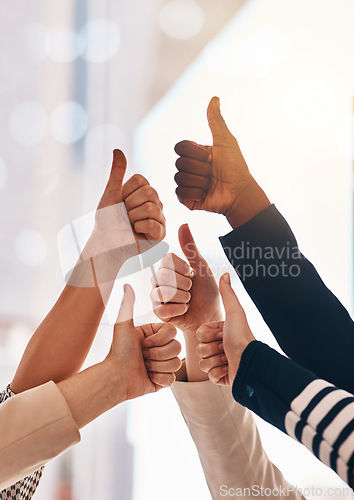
222 343
185 294
141 214
145 357
216 178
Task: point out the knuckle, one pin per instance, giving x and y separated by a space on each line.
149 208
139 180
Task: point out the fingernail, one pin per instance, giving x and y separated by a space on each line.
223 358
125 288
218 102
226 278
221 346
219 335
210 158
148 343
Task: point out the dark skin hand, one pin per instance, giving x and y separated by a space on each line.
216 178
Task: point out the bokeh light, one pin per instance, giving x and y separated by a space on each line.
182 19
68 122
99 40
62 44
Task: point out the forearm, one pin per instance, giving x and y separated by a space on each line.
227 440
309 409
61 343
93 392
293 300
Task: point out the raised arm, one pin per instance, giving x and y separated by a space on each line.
224 432
311 410
286 288
129 220
40 423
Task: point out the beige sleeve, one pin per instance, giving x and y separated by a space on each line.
228 443
35 426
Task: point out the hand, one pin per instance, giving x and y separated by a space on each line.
186 300
141 215
223 342
145 357
216 178
128 221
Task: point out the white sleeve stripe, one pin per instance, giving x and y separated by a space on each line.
305 397
343 418
324 406
346 448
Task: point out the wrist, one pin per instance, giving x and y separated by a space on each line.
250 202
116 387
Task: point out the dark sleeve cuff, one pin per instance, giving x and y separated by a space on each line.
267 383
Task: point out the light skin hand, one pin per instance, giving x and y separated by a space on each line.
129 371
61 343
222 343
216 178
186 301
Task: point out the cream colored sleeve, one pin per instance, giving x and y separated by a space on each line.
228 443
35 426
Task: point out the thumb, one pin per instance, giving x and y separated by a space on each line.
231 303
126 310
188 246
119 166
216 122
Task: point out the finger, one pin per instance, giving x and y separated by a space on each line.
192 150
218 375
142 195
188 246
148 210
151 228
216 122
171 261
210 349
169 366
195 167
163 336
168 311
133 184
207 364
163 353
162 379
164 294
231 303
119 166
192 181
168 277
185 194
126 310
210 332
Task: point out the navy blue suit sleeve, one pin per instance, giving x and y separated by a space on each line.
294 400
310 324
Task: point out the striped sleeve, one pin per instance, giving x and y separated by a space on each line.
311 410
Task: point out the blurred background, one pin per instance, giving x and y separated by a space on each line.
79 78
